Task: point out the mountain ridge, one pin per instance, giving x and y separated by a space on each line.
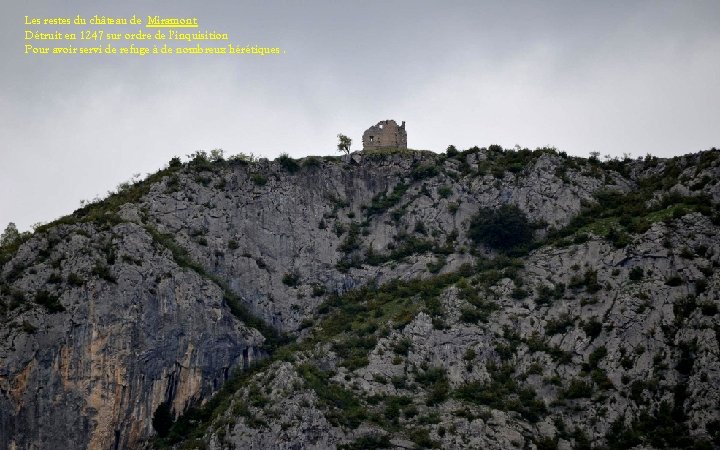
276 250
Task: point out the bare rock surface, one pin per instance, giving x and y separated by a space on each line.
358 309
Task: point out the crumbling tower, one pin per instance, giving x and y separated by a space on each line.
386 134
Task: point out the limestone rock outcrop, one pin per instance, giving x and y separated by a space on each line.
350 303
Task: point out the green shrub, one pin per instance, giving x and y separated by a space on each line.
559 325
686 253
74 279
505 351
700 286
345 408
10 241
431 376
592 328
393 406
28 328
578 389
435 381
503 392
423 171
55 278
495 148
701 250
421 438
402 346
709 309
596 356
636 273
473 315
382 201
17 298
370 441
50 301
242 159
662 427
318 290
204 180
408 245
355 362
288 163
175 162
470 354
617 238
519 293
534 369
504 229
199 160
103 271
216 155
258 179
591 282
312 161
444 191
546 443
291 279
352 240
544 295
437 265
600 378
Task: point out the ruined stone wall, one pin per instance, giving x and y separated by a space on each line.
386 134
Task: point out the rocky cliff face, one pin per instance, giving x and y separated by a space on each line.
381 316
104 326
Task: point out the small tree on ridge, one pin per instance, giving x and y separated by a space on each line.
344 143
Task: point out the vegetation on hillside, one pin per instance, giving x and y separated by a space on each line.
350 324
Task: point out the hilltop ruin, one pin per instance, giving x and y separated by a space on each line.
386 134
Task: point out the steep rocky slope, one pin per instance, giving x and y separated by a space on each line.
364 306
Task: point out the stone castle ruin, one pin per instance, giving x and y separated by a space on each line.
386 134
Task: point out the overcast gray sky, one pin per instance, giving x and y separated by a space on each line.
613 77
